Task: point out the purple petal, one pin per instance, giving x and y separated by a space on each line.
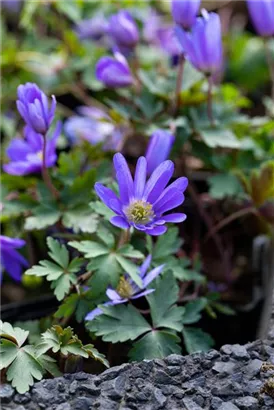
36 121
152 275
95 312
158 181
140 177
21 168
120 222
144 293
108 197
18 150
7 242
145 265
124 178
158 230
113 295
175 218
13 262
174 199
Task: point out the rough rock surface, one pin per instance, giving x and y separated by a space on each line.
231 379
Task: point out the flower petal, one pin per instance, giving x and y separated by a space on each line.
113 295
144 293
176 199
18 150
145 265
120 222
140 177
158 180
124 178
158 230
95 312
109 198
152 275
175 218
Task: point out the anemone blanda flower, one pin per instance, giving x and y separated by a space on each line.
127 289
94 28
11 260
262 16
114 71
202 48
158 149
26 156
33 106
123 29
143 205
184 12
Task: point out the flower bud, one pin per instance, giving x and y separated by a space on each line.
158 150
262 15
184 12
114 72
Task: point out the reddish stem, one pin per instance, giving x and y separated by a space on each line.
45 173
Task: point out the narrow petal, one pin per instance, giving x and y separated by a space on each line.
95 312
21 168
140 177
18 150
108 197
120 222
175 218
113 295
144 293
158 230
176 200
124 178
158 181
180 184
152 275
145 265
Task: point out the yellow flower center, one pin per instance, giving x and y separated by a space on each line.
140 212
124 288
40 155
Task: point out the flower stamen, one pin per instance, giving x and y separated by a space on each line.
124 288
140 212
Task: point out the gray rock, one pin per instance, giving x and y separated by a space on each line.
247 403
159 397
6 393
228 406
81 376
82 403
63 406
22 398
239 352
113 372
175 360
224 368
160 377
190 404
227 389
216 403
73 387
253 368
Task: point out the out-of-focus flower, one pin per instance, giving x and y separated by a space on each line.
93 131
184 12
142 204
158 150
203 45
114 72
127 289
123 29
152 23
169 41
33 105
12 6
262 16
11 260
26 156
94 28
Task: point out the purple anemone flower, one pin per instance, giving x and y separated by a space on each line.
78 128
184 12
202 48
114 72
33 106
142 204
94 28
26 156
158 150
12 260
127 289
262 16
123 29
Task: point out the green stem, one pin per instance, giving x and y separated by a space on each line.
124 238
45 172
179 84
209 101
270 63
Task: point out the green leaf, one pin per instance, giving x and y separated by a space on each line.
77 304
108 271
130 269
193 309
58 252
223 185
196 340
72 10
33 327
90 249
162 301
155 344
15 334
45 218
101 209
129 252
46 268
92 352
62 285
215 137
49 364
106 236
119 324
80 220
167 244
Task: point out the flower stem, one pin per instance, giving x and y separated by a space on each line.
124 238
270 63
45 172
209 101
179 83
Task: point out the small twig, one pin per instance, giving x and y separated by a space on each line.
209 101
85 277
124 238
229 219
45 173
270 63
179 81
